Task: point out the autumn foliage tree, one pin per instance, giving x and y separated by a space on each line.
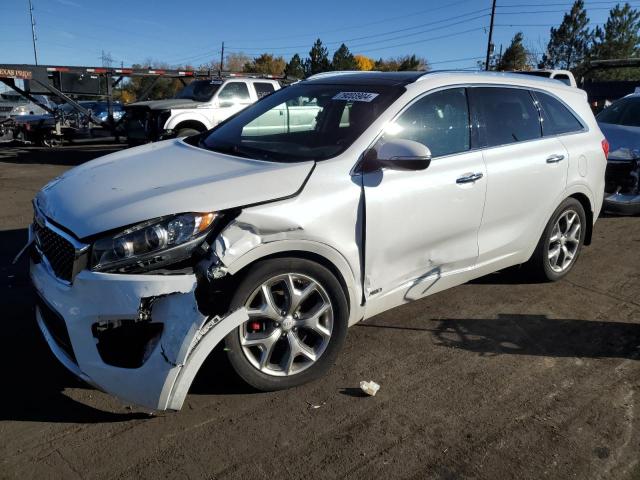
363 62
266 64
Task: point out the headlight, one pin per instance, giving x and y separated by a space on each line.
20 110
161 240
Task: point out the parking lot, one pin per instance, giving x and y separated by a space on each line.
495 379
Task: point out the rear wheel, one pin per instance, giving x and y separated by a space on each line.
298 317
561 242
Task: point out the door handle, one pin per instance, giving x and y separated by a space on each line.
469 178
555 158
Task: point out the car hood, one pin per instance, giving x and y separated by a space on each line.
624 141
172 103
159 179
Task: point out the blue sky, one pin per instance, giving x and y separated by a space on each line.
449 33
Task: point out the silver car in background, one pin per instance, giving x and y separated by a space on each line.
319 206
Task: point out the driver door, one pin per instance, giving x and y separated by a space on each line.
233 97
422 226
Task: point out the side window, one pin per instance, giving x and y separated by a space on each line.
556 118
505 115
263 89
563 78
234 92
439 120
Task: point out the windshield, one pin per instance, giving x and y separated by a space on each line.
303 122
623 112
199 90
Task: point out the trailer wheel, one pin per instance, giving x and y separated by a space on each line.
51 142
187 132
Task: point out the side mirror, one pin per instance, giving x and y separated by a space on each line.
401 154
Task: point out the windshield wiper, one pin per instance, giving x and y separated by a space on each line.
228 149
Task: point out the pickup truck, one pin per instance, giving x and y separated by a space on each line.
198 107
565 76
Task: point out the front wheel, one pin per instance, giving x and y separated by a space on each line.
561 242
298 317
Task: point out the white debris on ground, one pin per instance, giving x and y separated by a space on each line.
370 387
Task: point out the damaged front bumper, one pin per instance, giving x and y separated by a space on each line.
622 186
141 338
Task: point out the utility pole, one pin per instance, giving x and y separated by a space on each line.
33 32
489 44
221 60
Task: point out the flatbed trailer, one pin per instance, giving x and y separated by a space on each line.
63 81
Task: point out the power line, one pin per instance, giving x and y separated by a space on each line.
377 22
292 48
379 34
545 11
455 60
527 5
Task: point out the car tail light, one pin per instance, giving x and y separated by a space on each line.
605 148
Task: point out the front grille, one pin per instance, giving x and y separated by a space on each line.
622 177
6 109
60 253
56 327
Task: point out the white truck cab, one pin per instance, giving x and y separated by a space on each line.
565 76
198 107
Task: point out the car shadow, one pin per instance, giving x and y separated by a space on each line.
516 334
217 377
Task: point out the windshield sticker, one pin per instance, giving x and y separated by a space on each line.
355 96
216 82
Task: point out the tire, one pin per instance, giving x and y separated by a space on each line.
544 264
261 349
187 132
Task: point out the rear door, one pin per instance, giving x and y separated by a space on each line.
526 172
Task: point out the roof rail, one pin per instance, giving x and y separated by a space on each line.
338 72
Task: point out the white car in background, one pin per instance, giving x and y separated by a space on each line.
198 107
274 237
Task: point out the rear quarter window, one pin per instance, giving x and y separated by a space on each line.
263 88
556 117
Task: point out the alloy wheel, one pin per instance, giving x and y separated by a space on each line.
290 324
564 241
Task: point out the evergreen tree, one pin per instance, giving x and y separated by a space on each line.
620 38
343 59
318 60
409 63
515 57
295 68
569 43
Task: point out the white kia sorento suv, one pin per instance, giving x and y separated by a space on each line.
321 205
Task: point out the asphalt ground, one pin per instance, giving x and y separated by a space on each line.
499 378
